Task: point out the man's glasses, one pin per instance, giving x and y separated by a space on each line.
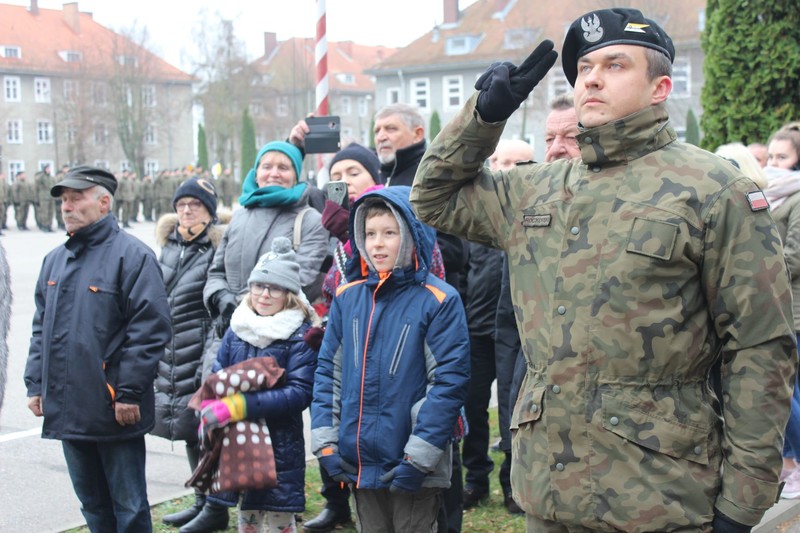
258 289
192 205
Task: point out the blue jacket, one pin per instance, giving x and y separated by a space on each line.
282 408
101 323
393 369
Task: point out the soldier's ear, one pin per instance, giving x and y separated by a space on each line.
662 86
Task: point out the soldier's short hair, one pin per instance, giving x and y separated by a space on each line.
657 64
409 114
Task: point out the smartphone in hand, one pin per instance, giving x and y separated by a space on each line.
323 135
336 192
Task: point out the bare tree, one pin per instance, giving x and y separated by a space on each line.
226 83
133 87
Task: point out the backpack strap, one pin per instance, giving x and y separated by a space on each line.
298 227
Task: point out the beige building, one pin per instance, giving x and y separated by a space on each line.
73 89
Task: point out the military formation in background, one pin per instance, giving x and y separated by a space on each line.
137 199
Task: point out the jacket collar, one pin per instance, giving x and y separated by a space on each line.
628 138
93 234
403 159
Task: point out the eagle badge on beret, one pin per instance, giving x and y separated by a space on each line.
592 31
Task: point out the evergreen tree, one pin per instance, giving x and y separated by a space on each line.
249 150
752 70
371 135
692 128
436 125
202 147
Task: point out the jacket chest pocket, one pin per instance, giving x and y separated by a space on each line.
103 303
528 408
397 355
652 238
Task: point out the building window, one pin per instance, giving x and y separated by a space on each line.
421 93
393 95
346 78
102 163
70 90
282 106
681 78
11 88
14 168
347 108
41 90
460 45
149 96
151 167
45 163
256 109
99 93
127 61
71 56
347 133
125 165
12 52
100 134
150 134
14 132
452 88
363 107
72 133
44 132
557 84
518 38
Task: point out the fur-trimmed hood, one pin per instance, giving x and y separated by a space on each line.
167 223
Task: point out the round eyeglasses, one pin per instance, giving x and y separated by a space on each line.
258 289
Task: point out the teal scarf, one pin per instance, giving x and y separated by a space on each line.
270 196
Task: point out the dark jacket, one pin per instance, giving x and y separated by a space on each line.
393 369
282 407
184 265
100 327
483 288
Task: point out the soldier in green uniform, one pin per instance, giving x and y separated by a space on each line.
57 201
5 200
43 182
137 197
147 197
22 195
124 199
641 273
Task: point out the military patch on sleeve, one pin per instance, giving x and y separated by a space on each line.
758 202
536 221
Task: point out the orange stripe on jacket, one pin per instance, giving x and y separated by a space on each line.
437 293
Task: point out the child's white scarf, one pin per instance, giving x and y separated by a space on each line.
261 331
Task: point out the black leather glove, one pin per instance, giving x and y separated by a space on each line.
723 524
504 87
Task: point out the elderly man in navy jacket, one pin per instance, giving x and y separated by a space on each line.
101 323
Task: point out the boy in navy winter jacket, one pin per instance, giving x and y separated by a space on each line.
393 370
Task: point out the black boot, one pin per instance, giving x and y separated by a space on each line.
187 515
212 517
327 520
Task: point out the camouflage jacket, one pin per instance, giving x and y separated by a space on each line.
633 271
43 182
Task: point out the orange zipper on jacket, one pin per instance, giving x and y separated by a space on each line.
384 276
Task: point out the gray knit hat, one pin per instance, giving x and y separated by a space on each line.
278 267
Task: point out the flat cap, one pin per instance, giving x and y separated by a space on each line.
606 27
83 177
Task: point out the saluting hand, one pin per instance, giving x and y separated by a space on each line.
504 86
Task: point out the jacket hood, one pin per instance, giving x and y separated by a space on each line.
424 237
165 227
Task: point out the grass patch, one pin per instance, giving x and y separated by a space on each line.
489 517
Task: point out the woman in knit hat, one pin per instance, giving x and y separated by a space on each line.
188 238
275 205
271 320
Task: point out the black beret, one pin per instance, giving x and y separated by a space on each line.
606 27
83 177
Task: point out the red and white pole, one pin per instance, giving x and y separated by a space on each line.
321 58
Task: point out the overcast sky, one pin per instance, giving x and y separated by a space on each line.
169 22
